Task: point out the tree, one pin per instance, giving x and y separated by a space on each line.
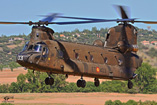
94 30
14 88
146 80
13 65
21 82
76 31
109 102
6 49
1 67
131 102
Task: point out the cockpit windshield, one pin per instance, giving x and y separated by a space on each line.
25 47
38 48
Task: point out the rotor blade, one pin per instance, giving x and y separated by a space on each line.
147 22
50 17
69 17
123 11
93 21
77 18
14 22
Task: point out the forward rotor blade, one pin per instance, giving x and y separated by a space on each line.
50 17
14 22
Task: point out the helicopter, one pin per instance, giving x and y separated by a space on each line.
114 59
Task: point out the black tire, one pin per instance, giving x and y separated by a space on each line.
97 83
130 84
47 81
51 81
79 83
83 84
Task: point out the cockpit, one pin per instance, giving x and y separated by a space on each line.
33 53
38 47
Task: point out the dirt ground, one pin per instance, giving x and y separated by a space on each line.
74 98
7 76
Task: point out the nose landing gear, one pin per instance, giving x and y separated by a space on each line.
49 80
130 84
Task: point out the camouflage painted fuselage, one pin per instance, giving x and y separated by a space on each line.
97 61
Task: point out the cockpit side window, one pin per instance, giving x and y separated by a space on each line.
30 47
25 47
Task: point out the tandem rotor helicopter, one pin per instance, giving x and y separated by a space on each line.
115 58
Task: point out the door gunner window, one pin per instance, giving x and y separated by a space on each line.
45 51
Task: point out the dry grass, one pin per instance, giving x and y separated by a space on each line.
75 98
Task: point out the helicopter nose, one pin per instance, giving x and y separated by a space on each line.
21 57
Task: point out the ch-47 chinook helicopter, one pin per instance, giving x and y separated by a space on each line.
115 58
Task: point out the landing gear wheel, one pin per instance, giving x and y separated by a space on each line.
130 84
81 83
51 81
96 82
47 81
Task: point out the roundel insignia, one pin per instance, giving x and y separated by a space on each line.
97 70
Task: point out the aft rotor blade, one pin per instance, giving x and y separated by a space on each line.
93 21
122 10
123 13
147 22
68 17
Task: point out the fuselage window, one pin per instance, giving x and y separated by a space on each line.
60 53
37 35
76 55
120 62
91 58
105 60
86 57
